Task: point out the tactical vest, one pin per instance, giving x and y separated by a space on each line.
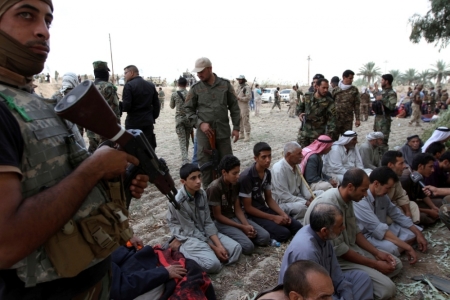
53 148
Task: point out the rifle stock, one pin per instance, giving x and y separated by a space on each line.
83 106
214 161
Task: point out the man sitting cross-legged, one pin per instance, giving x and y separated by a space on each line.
371 216
255 191
223 197
353 250
194 231
288 187
313 243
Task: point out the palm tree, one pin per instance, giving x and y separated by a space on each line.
441 71
410 76
424 77
396 75
369 71
360 82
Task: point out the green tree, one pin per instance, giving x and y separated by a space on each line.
434 26
360 82
410 76
368 71
397 76
441 71
424 77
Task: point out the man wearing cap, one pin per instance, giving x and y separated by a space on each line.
364 103
369 151
161 97
344 155
317 114
346 98
109 92
312 164
183 127
140 101
45 194
384 104
207 105
244 95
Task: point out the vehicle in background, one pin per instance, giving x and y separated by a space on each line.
122 81
268 94
285 95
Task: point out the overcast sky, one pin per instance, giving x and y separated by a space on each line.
269 40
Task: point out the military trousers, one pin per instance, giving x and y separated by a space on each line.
161 101
342 125
183 133
276 103
244 123
223 147
383 123
364 111
416 114
303 140
292 108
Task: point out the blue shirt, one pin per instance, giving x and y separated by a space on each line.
307 245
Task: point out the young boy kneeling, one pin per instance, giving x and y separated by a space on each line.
223 197
194 231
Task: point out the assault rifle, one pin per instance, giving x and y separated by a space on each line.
214 161
83 106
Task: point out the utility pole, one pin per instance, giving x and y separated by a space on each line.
112 63
308 59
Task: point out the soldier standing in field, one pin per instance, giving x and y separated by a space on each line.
317 114
384 104
183 127
293 101
365 103
244 95
276 99
161 97
346 98
207 105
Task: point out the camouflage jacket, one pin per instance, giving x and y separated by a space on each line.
180 113
243 93
320 115
211 103
299 93
161 95
365 98
389 99
109 92
347 103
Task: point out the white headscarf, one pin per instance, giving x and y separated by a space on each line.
375 135
440 134
344 86
346 138
69 81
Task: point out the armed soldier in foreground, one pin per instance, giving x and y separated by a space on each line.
59 215
317 114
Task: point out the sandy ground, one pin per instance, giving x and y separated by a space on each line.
260 270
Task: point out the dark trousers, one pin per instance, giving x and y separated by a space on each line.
148 132
281 233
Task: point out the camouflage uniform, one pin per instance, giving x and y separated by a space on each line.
365 104
183 127
276 100
293 101
210 104
244 95
432 100
109 92
161 97
382 120
347 103
320 118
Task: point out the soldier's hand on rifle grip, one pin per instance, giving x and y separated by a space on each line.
300 117
206 129
138 185
235 134
112 162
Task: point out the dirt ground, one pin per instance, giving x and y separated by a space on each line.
259 271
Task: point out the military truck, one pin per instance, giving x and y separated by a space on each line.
157 81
